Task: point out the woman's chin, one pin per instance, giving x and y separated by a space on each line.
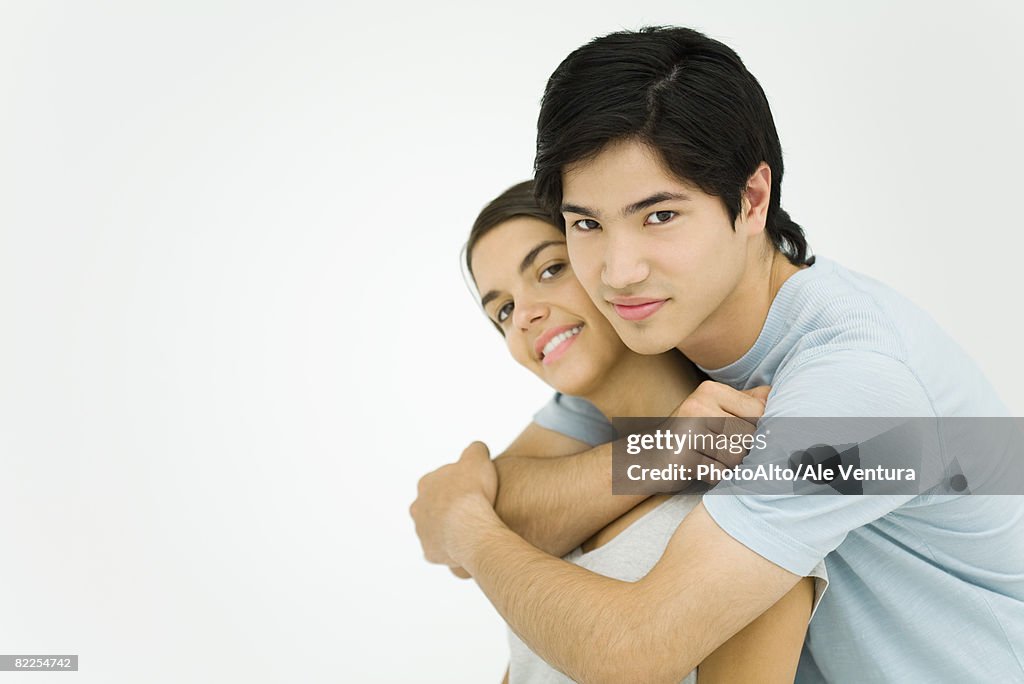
573 382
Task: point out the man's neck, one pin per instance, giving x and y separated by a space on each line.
730 332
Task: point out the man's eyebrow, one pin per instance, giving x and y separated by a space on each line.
530 257
577 209
629 209
652 200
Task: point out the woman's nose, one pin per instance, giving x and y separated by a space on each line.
528 313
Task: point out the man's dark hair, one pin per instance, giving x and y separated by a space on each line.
685 95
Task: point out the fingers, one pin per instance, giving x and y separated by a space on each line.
729 425
442 493
729 415
726 450
740 404
715 399
475 450
759 393
733 442
717 429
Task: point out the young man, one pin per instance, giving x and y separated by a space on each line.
659 151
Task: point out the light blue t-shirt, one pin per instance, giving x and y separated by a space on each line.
925 588
575 417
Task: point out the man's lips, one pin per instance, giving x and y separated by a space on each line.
635 308
547 335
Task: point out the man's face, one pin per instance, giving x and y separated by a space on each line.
658 256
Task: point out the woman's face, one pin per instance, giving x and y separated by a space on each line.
551 326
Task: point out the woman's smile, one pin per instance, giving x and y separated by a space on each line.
528 290
553 343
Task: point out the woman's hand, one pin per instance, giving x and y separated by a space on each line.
718 408
452 501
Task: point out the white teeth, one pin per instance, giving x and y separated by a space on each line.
558 339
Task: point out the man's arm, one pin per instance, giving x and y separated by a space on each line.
706 588
767 650
709 583
557 501
537 497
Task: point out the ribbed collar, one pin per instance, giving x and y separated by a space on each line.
779 321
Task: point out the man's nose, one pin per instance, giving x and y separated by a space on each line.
624 264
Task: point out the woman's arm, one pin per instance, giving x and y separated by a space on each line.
768 649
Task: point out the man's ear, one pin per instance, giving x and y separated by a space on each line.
754 207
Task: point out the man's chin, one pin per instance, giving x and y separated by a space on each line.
646 342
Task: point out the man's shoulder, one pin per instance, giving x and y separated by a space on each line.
860 333
840 308
855 328
841 323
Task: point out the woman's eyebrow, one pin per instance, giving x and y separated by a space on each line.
486 299
531 256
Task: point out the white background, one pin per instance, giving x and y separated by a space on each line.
234 329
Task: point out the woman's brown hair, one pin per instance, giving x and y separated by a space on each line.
516 201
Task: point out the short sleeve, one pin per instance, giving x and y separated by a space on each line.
796 531
820 576
576 418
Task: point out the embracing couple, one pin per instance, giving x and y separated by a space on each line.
649 270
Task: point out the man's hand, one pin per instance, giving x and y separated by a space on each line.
721 410
451 501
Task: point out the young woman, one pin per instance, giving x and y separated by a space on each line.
520 265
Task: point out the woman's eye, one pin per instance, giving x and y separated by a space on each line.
504 312
586 225
551 271
660 217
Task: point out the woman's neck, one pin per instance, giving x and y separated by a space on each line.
643 385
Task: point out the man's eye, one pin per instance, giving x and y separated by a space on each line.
661 217
504 312
551 271
586 225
